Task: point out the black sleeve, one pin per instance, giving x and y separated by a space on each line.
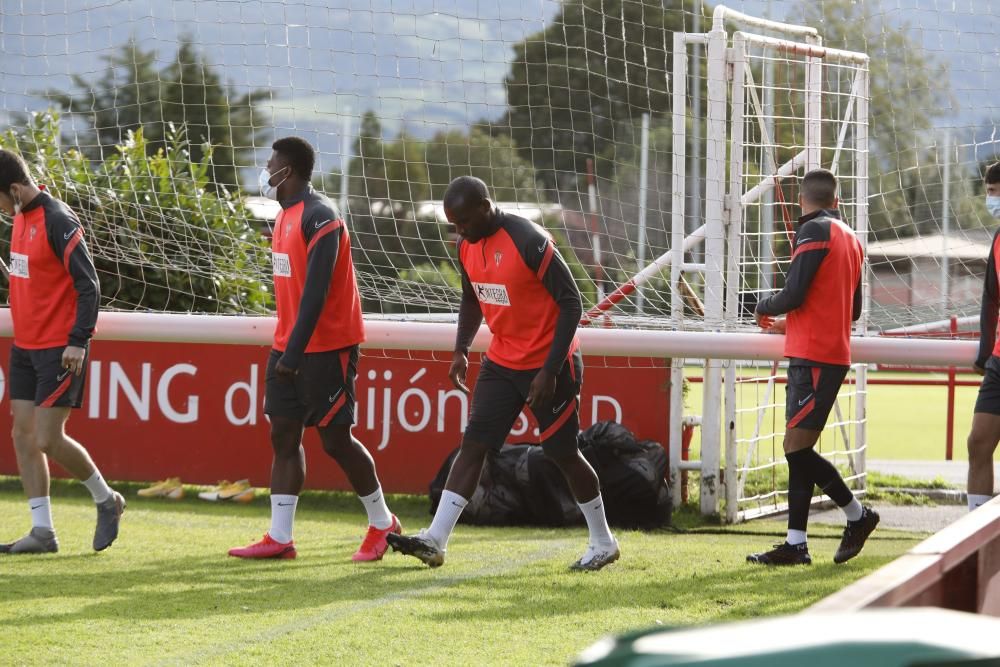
558 280
809 253
320 262
65 236
989 310
858 303
470 315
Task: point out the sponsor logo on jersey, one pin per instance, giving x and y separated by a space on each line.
492 294
281 264
19 265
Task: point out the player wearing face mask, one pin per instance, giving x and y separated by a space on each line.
985 432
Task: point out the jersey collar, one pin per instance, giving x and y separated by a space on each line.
39 199
821 213
297 197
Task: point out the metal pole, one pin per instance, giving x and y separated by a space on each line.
345 160
643 194
694 188
767 201
595 235
945 226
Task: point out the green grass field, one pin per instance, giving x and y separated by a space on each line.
904 423
166 593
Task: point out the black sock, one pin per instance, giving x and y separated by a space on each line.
824 474
800 490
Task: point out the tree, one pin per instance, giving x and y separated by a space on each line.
908 91
598 64
160 237
133 94
493 159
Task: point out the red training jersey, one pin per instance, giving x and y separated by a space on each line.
53 283
822 293
319 306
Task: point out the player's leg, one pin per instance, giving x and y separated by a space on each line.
59 391
983 436
559 426
34 469
496 403
288 465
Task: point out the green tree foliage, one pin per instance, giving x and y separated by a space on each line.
161 237
598 64
134 94
495 160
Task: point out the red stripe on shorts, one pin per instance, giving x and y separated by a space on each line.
557 424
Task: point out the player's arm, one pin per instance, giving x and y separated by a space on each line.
989 310
65 236
559 283
323 246
811 248
857 305
470 317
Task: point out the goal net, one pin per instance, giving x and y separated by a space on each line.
152 120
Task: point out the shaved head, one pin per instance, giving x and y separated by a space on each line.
465 192
467 205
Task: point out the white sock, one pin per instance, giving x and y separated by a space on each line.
853 510
977 499
597 522
448 511
282 517
98 488
796 537
378 512
41 512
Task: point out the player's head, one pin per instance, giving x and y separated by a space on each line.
818 190
16 185
289 168
992 180
467 205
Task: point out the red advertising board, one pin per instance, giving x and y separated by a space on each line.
195 411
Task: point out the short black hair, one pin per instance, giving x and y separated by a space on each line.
13 169
992 174
300 154
465 191
819 187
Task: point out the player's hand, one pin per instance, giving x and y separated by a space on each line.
777 326
542 389
977 369
458 370
72 358
763 321
283 371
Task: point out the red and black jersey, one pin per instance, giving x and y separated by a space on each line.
822 293
989 343
319 306
53 284
519 282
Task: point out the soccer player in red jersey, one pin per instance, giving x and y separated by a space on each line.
53 303
822 297
513 276
312 367
985 432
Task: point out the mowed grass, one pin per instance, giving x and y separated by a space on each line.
166 593
904 422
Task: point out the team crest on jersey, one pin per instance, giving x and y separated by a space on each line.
497 256
31 233
281 265
19 264
492 294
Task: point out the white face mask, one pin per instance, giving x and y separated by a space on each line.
993 205
264 179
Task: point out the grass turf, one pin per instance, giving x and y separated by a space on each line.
167 593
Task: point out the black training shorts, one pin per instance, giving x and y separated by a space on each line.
810 394
39 376
988 400
320 393
500 394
